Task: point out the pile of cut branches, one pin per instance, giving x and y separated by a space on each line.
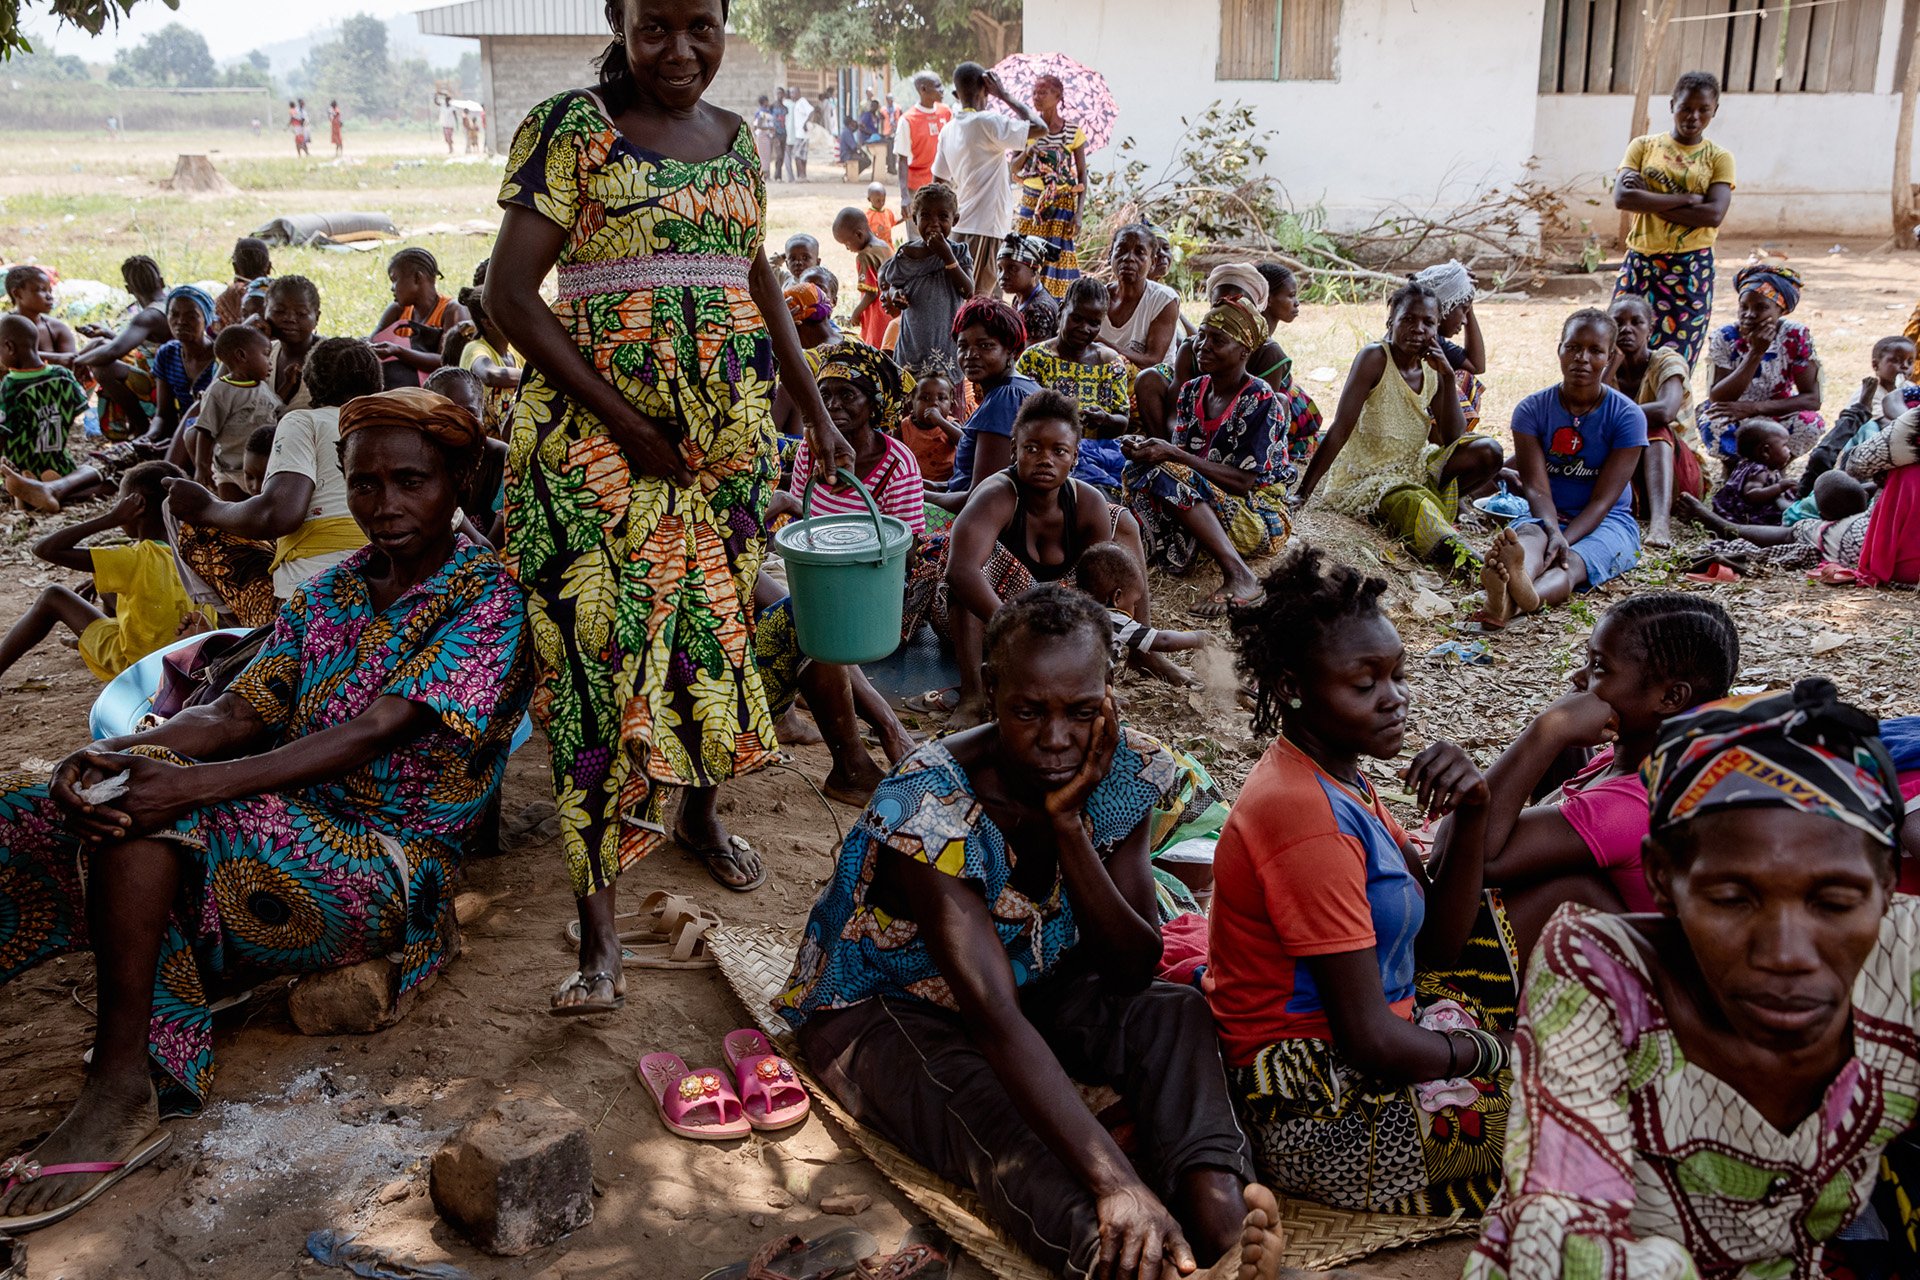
1215 205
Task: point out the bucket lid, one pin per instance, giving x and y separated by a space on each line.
849 538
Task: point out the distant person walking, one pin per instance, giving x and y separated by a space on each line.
335 129
448 119
800 115
297 121
779 113
471 120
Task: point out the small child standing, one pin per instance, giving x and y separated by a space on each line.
1108 572
30 292
930 277
879 217
1752 493
150 605
38 405
801 255
239 402
854 234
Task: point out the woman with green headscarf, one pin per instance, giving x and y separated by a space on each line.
1710 1089
1216 486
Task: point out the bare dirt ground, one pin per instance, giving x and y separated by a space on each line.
307 1133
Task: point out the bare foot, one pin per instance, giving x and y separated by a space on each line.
1258 1255
107 1122
1659 531
797 730
24 488
1493 580
1507 548
854 783
1691 508
970 712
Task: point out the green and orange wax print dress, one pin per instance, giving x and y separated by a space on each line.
640 590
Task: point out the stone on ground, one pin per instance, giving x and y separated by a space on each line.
519 1177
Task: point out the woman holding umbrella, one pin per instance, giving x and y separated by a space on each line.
1053 178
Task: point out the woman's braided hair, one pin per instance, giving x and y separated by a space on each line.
1683 637
1406 293
1305 595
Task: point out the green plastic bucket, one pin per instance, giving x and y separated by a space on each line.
848 576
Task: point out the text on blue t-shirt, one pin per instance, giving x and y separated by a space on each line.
1576 448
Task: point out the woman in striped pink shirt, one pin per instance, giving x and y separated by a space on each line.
865 391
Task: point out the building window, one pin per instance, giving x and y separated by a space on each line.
1278 39
1754 46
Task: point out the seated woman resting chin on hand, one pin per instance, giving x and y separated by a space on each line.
1651 656
990 925
355 757
1715 1089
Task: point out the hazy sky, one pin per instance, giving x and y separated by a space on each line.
231 27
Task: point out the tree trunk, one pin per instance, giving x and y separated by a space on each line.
997 38
1652 41
1904 218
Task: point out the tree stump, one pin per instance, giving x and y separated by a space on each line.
196 174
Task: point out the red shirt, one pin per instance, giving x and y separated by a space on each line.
881 222
923 137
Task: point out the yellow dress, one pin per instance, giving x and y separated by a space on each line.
640 591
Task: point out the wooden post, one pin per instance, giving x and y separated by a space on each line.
1652 39
1904 217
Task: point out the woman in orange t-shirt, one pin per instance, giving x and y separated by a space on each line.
1357 1084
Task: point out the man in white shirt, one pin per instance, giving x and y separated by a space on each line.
800 114
973 160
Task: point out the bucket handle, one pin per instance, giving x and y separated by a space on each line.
879 529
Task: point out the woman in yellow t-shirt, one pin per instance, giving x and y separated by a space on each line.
1677 186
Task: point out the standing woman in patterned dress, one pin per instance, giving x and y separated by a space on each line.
1053 180
1678 186
642 453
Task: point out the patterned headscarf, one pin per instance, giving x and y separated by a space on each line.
1452 284
424 411
1031 250
871 370
806 302
258 287
1782 284
1243 277
1238 320
1803 750
197 296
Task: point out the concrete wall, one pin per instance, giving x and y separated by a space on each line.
1433 101
520 72
1805 163
1436 101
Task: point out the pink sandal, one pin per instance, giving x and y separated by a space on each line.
20 1170
770 1093
694 1104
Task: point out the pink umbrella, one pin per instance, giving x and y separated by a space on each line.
1087 101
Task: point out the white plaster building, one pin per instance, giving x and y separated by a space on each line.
1428 101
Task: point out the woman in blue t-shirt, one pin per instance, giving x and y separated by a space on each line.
1576 446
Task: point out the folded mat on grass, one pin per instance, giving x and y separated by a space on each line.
327 228
756 963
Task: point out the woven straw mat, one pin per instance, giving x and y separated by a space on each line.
757 962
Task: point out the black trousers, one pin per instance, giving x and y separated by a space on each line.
911 1071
